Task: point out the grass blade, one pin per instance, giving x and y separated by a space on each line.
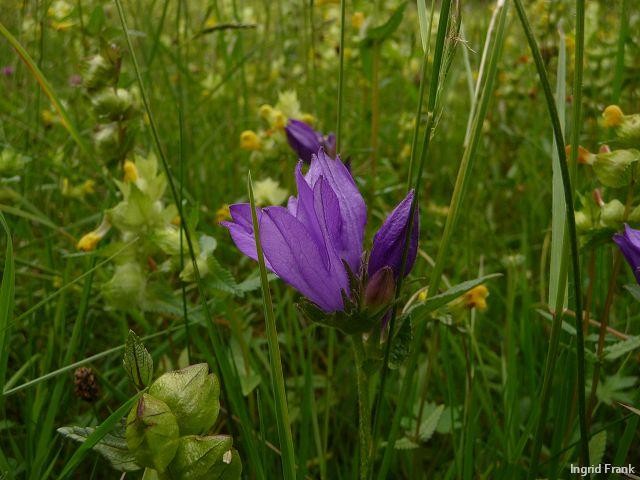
7 291
275 362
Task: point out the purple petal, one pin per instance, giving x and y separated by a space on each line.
629 244
388 242
295 257
241 230
303 139
352 209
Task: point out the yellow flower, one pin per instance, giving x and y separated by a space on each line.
422 296
130 171
476 298
357 20
89 242
48 118
612 116
266 111
223 213
176 221
308 119
279 120
211 22
249 140
88 186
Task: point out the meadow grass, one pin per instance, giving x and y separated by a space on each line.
453 100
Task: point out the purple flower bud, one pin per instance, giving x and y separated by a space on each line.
629 244
303 139
8 70
380 289
388 242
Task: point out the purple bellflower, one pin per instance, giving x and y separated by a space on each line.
315 244
629 244
306 142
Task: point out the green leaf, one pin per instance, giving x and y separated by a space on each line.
96 21
401 346
405 443
423 22
113 446
618 349
384 31
437 301
7 291
430 423
597 445
137 362
94 437
634 290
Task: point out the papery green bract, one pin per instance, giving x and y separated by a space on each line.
126 289
142 210
113 104
616 169
205 458
192 394
152 433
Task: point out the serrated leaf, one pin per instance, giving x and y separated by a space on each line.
429 424
137 361
597 445
618 349
221 279
400 348
113 446
405 443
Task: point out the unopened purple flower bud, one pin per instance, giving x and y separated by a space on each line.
629 244
389 241
380 289
303 139
8 70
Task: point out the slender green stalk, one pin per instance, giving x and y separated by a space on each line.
622 42
568 192
343 8
364 412
275 362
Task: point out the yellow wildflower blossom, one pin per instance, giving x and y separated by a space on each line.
249 140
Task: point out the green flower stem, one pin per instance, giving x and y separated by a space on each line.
343 8
364 410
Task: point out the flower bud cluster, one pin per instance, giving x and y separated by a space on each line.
168 428
116 109
149 235
616 170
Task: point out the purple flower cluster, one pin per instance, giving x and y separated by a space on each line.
315 243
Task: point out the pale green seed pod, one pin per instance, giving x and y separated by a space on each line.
127 287
612 214
107 139
152 433
583 221
616 169
205 458
98 72
193 396
113 104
